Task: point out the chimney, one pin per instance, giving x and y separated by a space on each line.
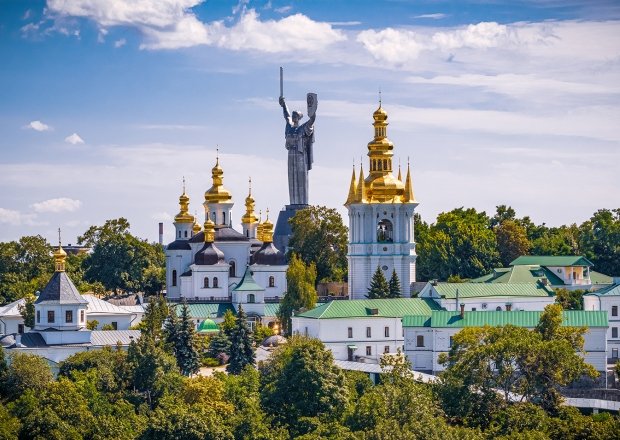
462 310
433 282
544 281
161 233
508 307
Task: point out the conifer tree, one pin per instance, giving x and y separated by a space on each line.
171 329
379 287
394 286
241 350
219 344
185 352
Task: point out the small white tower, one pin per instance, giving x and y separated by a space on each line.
218 200
249 221
381 209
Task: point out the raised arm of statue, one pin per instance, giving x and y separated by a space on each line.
287 114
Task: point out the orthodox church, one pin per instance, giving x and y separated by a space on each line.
218 264
381 209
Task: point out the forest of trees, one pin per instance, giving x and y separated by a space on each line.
150 392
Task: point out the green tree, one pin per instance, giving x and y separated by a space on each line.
562 240
219 347
394 286
319 237
379 287
155 316
92 325
241 350
569 299
600 240
300 380
184 350
461 242
27 310
300 294
228 322
9 425
26 372
512 241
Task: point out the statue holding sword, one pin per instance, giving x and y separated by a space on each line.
299 140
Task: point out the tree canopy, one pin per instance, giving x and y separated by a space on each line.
300 294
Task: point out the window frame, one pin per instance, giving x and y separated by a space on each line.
419 341
69 316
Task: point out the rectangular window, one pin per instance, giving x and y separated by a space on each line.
614 332
614 353
350 332
38 316
20 328
115 325
69 316
419 341
368 350
368 332
614 310
451 341
306 332
386 349
50 316
386 332
81 315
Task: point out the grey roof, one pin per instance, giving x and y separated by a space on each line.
222 233
268 255
127 300
179 245
112 337
209 255
60 289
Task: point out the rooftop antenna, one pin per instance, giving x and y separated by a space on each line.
379 96
183 184
250 183
59 240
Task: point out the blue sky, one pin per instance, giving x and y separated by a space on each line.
106 104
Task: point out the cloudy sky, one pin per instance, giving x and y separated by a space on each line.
106 104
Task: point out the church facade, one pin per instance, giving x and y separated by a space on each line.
216 263
381 226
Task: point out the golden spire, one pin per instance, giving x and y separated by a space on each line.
267 230
249 217
209 231
217 193
361 187
59 256
184 216
400 177
352 192
196 228
259 228
408 195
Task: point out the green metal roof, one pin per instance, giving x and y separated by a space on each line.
548 260
208 326
519 274
272 309
475 290
600 278
529 319
209 310
613 290
356 308
247 283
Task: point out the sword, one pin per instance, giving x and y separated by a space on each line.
281 82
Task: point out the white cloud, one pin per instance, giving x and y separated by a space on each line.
74 139
283 9
478 36
171 24
61 204
392 45
120 43
38 126
16 218
436 16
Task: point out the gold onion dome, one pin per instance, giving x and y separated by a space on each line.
196 228
217 193
209 231
249 217
184 216
60 256
267 230
260 227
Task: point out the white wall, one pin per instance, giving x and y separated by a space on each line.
606 303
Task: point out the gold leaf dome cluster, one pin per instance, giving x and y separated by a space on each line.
380 186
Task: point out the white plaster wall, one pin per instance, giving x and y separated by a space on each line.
261 274
59 316
123 321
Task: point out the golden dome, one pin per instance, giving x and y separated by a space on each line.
60 256
267 230
184 216
209 231
196 228
249 217
217 193
380 114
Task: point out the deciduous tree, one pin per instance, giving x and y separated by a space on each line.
300 293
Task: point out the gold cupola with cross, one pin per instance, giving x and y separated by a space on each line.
249 221
218 200
184 216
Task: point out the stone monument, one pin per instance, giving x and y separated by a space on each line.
298 141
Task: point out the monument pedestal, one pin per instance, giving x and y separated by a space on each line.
283 228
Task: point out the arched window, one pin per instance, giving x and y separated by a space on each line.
206 283
498 309
233 269
385 164
223 218
272 281
185 234
179 234
385 231
251 298
380 167
215 282
174 278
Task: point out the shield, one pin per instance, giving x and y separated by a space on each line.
312 103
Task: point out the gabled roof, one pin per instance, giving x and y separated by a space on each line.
247 283
98 307
364 308
519 274
12 309
207 310
613 290
528 319
553 261
102 338
482 290
60 289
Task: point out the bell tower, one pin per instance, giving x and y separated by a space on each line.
381 209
